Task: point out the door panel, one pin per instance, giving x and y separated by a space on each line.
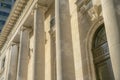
104 70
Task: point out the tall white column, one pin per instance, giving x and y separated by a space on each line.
12 70
64 50
112 27
39 43
23 54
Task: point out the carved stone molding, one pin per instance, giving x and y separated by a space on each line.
94 12
86 2
45 38
82 5
82 2
2 65
52 34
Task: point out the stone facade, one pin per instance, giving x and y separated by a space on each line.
53 39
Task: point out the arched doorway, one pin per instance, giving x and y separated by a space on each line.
101 55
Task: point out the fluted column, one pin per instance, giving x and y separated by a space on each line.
112 27
12 70
23 54
64 50
39 43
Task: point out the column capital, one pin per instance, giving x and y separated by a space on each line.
41 6
13 43
26 28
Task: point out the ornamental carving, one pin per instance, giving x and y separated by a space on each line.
95 12
52 34
2 65
52 29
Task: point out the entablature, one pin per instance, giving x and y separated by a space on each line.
12 19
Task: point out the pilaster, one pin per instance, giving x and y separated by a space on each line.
13 61
23 54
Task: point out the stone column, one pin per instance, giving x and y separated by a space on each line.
23 54
12 70
39 43
112 27
64 50
58 42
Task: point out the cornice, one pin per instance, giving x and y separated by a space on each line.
12 19
19 23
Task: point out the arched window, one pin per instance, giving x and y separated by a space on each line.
101 55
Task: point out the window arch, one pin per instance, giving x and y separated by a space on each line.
101 55
100 37
100 46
